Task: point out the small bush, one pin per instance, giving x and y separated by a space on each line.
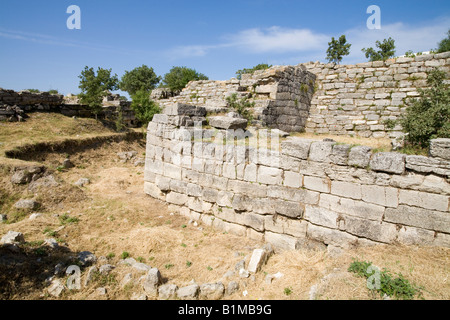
242 106
125 255
143 107
261 66
66 219
428 117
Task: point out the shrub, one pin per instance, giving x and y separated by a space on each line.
242 106
429 116
337 49
387 50
261 66
143 107
444 45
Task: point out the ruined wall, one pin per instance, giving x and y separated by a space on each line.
361 99
281 95
298 193
14 106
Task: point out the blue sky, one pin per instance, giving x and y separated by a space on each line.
216 38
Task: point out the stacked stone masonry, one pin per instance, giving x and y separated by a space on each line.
303 193
361 100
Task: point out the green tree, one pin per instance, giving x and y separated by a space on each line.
386 50
178 77
337 49
144 108
444 45
140 78
95 86
261 66
241 106
429 116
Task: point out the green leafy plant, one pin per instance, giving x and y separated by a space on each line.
141 78
383 282
188 264
94 86
337 49
144 108
386 50
178 77
168 266
444 45
125 255
428 117
288 291
261 66
65 219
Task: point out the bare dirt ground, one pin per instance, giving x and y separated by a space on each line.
112 216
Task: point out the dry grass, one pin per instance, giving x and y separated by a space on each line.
115 216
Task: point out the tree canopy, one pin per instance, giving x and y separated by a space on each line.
178 77
386 50
261 66
95 86
337 49
444 45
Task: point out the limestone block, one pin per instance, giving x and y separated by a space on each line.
352 207
383 196
289 209
373 230
181 109
322 217
428 165
330 236
227 123
321 151
281 242
269 175
339 154
415 236
210 195
388 162
250 172
424 200
283 225
257 260
317 184
359 156
152 190
297 148
177 198
346 189
440 148
292 179
420 218
247 188
172 171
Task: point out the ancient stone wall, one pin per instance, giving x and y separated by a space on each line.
294 192
281 94
367 98
14 105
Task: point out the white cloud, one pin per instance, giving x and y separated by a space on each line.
278 40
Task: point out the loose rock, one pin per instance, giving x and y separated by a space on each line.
12 237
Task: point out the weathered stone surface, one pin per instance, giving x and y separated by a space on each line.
27 204
86 258
428 165
82 182
282 242
151 281
257 260
12 237
212 291
289 209
167 291
346 189
297 148
388 162
420 218
424 200
21 177
56 288
189 292
317 184
106 268
232 287
440 148
269 175
320 151
227 123
339 154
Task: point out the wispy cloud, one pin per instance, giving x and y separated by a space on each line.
295 45
54 41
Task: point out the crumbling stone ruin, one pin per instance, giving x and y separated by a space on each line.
292 192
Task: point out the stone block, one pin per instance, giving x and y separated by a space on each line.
331 236
281 242
383 196
172 171
388 162
440 148
373 230
283 225
181 109
289 209
428 165
346 189
352 207
227 123
292 179
424 200
339 154
152 190
359 156
297 148
269 175
321 151
177 198
420 218
257 260
247 188
210 195
250 172
322 217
